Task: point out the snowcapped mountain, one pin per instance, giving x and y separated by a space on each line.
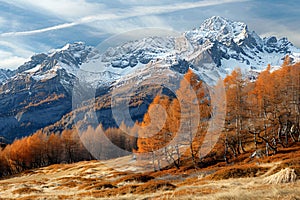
231 44
69 58
39 92
212 50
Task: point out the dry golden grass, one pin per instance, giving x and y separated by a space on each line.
284 176
195 191
143 178
105 193
30 197
87 183
153 186
69 184
93 180
99 186
287 158
275 193
117 174
28 172
243 171
55 167
132 189
26 190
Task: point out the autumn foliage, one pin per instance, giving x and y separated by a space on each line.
42 149
261 117
174 127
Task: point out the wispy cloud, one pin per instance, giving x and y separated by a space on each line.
24 33
137 11
66 9
181 6
16 49
2 21
13 54
11 61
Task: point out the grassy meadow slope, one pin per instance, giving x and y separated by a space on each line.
246 179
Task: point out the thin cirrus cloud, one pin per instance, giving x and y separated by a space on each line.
83 20
67 9
136 11
13 55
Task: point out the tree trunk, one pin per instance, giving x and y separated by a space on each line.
226 150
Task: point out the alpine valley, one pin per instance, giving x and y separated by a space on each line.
38 94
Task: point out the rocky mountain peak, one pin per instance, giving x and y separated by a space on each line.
217 23
79 47
220 29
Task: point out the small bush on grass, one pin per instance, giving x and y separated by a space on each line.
286 175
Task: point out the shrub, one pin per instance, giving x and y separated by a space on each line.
286 175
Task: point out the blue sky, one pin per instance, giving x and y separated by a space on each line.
32 26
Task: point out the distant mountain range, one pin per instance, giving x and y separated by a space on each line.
39 92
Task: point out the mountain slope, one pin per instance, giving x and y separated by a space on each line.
123 178
39 93
5 74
